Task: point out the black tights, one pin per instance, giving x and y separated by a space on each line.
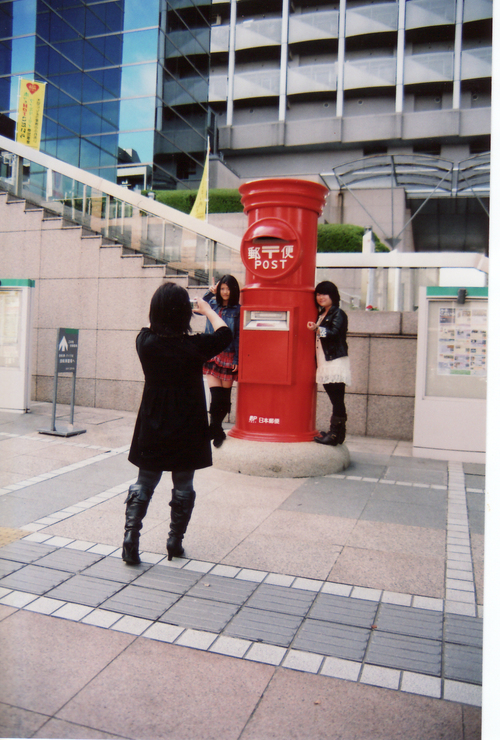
182 479
336 394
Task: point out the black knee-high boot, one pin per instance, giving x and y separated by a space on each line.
182 505
137 503
220 406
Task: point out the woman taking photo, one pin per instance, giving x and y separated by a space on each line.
222 370
333 367
171 431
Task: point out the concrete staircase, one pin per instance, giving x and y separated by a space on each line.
86 282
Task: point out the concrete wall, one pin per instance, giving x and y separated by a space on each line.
81 284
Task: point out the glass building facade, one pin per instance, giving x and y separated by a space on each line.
126 83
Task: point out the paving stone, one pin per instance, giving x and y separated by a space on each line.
114 569
34 579
165 578
463 630
227 590
300 661
349 670
260 653
263 626
338 609
9 566
387 678
282 600
86 590
404 620
148 603
73 561
337 640
200 614
404 652
464 693
463 663
25 552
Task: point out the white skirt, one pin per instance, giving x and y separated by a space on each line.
331 371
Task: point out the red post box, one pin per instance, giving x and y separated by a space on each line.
277 369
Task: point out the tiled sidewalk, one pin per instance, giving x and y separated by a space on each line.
364 587
398 641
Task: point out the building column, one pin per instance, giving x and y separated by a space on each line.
283 60
341 60
400 56
457 66
230 66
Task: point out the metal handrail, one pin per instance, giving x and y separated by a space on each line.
106 207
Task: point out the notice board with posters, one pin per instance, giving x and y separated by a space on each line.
450 393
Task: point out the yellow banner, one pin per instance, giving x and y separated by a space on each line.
199 208
30 113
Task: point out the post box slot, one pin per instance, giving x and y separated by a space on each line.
266 320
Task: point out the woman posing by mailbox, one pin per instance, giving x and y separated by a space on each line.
222 370
333 366
171 431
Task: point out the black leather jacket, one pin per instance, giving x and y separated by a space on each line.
333 333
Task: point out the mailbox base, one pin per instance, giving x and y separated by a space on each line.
280 459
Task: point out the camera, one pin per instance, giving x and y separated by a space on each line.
193 303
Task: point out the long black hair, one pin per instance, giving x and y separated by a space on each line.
170 311
234 290
330 289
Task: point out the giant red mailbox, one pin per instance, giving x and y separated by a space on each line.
277 369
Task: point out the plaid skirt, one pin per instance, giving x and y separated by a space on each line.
221 367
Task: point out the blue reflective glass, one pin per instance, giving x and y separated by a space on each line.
68 149
71 84
112 81
137 113
140 14
6 21
113 48
140 46
74 51
5 55
93 24
4 94
91 122
24 17
23 55
89 154
69 117
42 58
91 90
142 142
92 57
138 78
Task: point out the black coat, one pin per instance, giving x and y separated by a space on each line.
333 333
171 431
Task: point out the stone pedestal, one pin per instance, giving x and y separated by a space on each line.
280 459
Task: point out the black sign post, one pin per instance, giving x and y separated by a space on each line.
66 356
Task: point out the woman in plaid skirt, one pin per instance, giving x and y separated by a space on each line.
222 370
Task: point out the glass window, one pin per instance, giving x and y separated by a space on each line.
140 46
113 48
89 154
91 122
91 90
140 14
112 80
24 17
5 55
70 117
138 77
141 141
92 57
137 113
23 55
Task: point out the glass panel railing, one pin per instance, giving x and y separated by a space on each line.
198 249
